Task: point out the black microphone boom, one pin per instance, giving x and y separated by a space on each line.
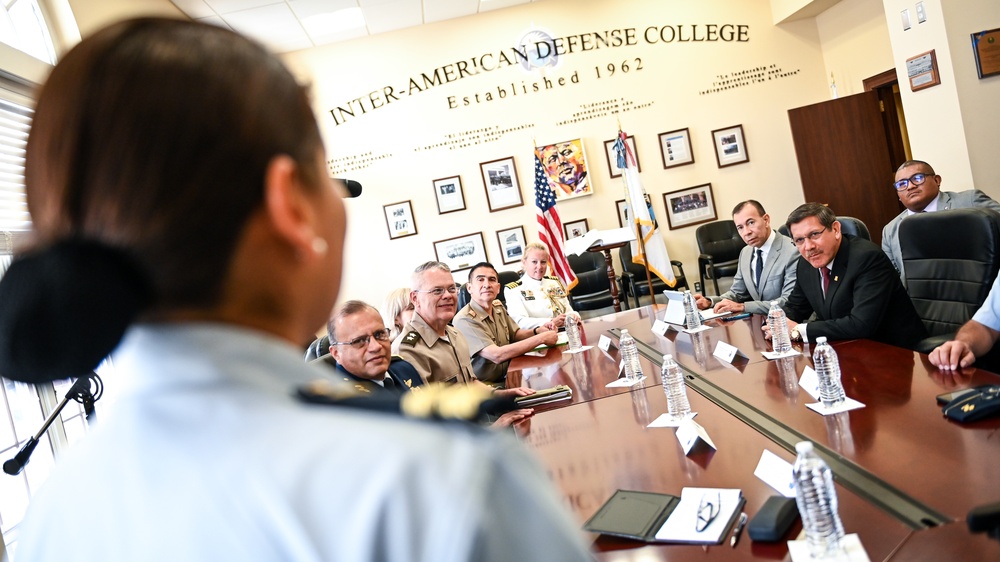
353 187
80 391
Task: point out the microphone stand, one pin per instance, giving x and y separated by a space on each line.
80 392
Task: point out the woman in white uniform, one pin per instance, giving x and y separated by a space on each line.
184 218
536 301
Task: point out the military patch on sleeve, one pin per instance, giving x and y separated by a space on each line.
411 338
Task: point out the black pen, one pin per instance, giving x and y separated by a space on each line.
739 529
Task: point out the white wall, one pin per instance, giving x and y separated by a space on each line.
855 41
665 95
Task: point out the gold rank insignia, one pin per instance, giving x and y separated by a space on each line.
968 407
513 284
472 313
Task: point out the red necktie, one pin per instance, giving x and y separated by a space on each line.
826 279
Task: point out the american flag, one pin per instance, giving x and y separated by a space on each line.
550 230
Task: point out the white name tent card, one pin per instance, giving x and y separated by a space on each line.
689 434
605 343
810 383
852 551
666 420
660 327
624 382
771 355
727 353
776 472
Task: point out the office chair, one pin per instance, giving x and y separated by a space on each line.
720 245
593 288
634 277
318 348
950 259
503 276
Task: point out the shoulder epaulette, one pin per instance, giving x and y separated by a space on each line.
551 277
513 284
411 338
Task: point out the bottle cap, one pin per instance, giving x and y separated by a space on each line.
803 447
821 339
624 331
667 358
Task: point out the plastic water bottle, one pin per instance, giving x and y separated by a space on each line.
630 355
573 332
676 390
692 319
831 390
778 325
817 502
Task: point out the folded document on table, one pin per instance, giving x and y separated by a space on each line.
652 517
554 394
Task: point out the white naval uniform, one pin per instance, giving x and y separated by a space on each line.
533 302
209 456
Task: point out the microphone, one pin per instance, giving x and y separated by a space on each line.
80 391
353 187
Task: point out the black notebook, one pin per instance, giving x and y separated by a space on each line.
652 517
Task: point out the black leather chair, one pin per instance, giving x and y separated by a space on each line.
634 277
854 227
504 276
318 348
848 225
720 245
593 288
950 259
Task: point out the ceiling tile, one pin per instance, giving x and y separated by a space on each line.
223 7
439 10
489 5
215 20
390 16
195 9
274 26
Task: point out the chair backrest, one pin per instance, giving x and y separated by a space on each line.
593 288
950 259
854 227
318 348
720 240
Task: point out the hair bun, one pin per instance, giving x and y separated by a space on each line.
65 308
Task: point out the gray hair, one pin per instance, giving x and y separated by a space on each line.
417 281
345 310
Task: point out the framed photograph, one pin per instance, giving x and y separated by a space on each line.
609 153
690 206
461 252
511 244
922 70
730 146
399 219
449 194
503 191
575 229
675 147
622 214
986 48
566 168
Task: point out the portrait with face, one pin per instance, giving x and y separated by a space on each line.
566 167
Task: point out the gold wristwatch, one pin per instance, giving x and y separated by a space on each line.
795 336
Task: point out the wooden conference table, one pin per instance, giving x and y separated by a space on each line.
906 476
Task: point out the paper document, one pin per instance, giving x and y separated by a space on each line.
683 524
581 244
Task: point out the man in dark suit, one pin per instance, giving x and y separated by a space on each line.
919 190
849 283
360 345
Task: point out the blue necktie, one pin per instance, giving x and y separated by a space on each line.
759 267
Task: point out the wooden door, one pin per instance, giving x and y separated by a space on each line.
844 161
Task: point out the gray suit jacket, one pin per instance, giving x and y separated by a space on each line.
777 278
949 200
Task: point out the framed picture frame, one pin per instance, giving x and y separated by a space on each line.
730 146
609 153
922 70
691 206
399 219
449 195
622 212
675 148
986 49
503 190
461 252
511 243
566 168
575 229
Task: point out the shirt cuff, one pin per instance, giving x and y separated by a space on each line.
802 331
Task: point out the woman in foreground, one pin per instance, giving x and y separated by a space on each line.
185 221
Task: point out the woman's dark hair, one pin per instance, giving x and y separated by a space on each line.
150 143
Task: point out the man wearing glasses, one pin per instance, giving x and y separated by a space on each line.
919 190
436 349
360 344
494 338
848 282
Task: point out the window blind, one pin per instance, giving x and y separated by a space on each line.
15 121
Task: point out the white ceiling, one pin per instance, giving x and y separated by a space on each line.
290 25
